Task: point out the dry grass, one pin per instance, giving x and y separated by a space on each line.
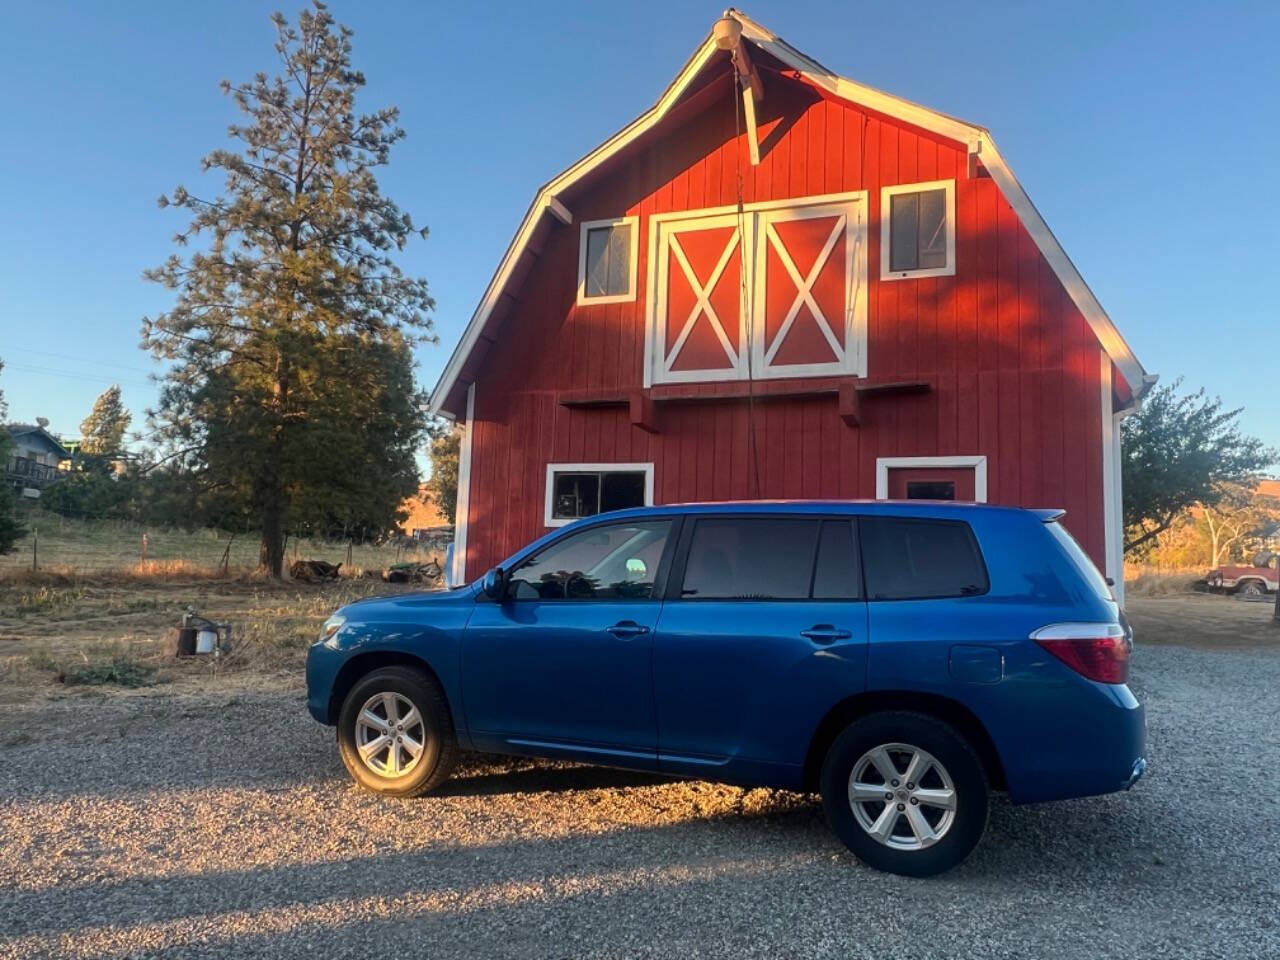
116 629
1148 582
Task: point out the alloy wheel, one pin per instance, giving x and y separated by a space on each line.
390 736
902 796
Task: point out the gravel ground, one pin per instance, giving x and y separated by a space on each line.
182 825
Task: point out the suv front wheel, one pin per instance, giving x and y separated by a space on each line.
905 792
395 733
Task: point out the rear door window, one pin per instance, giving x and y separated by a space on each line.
750 558
905 558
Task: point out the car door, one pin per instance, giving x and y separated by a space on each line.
764 629
563 662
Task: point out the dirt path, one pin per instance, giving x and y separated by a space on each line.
1203 620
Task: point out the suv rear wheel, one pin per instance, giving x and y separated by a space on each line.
395 733
905 792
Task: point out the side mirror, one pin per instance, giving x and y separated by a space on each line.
494 583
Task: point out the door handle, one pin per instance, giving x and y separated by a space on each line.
626 629
825 633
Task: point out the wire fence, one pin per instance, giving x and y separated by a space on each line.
93 546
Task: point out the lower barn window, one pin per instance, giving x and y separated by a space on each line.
583 490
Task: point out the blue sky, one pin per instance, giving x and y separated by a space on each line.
1145 133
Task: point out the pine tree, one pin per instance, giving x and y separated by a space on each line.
11 528
292 328
102 432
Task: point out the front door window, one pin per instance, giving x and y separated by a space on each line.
618 561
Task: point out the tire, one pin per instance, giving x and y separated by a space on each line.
1252 589
949 764
363 720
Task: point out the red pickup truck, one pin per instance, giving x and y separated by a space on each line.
1255 581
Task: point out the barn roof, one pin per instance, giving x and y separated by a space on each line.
448 397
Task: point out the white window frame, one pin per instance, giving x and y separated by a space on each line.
886 225
554 468
978 463
753 222
632 223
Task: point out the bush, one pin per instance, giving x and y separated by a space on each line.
120 670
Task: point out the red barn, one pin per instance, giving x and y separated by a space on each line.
780 283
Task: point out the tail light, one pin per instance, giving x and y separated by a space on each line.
1098 651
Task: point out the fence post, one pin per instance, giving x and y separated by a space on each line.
143 560
35 548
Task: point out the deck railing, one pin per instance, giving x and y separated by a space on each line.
29 472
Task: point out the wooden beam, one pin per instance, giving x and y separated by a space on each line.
748 72
752 90
592 398
560 211
753 138
848 405
643 413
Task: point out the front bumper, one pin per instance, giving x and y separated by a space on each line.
323 664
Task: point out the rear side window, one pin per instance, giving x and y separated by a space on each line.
751 558
909 559
1080 560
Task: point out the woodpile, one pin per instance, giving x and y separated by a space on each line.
314 571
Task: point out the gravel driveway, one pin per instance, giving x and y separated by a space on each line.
180 825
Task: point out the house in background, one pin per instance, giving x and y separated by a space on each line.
781 283
35 458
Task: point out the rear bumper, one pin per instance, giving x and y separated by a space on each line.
1099 746
1139 768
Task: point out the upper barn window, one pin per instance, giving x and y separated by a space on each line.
607 260
918 230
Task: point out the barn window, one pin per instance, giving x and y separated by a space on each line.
577 490
607 261
918 230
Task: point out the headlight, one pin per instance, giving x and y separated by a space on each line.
329 632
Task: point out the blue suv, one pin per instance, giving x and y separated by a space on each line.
901 658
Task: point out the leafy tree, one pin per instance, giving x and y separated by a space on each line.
102 432
92 493
289 318
442 485
1238 517
11 528
1181 449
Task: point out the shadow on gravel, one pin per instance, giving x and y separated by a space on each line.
454 872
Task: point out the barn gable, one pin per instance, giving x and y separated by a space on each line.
687 314
702 86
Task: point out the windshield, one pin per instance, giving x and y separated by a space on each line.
1081 560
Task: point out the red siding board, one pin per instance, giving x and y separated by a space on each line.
1014 368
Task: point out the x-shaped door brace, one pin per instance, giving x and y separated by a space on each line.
804 289
703 294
